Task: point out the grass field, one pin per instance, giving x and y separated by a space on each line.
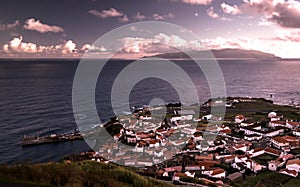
269 179
263 159
85 173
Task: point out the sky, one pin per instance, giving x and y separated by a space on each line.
68 28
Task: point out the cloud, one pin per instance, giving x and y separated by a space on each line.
228 9
211 13
106 13
160 43
36 25
124 19
139 16
9 26
281 12
158 17
93 49
197 2
221 43
68 47
292 35
265 22
286 43
17 46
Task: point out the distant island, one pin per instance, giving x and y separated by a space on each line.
220 54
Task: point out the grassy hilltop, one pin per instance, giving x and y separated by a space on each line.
85 173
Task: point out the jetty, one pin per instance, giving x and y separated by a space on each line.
53 138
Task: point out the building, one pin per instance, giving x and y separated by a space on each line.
256 152
252 137
235 176
296 132
277 123
215 173
272 151
218 173
292 173
239 119
292 124
293 165
279 142
272 165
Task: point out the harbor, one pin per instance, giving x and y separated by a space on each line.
53 138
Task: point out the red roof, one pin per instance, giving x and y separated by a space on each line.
239 117
292 123
180 174
291 172
273 151
280 139
175 168
295 161
257 149
279 122
218 171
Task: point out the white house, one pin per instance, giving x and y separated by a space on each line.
274 117
239 118
252 137
273 132
296 132
293 165
177 176
242 147
272 165
292 173
272 114
255 167
215 173
277 123
292 124
190 174
279 142
256 152
218 173
207 117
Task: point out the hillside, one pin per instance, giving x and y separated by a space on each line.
85 173
223 53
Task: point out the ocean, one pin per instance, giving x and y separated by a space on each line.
36 97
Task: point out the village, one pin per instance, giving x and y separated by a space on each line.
217 150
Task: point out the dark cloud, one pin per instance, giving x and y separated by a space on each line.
283 13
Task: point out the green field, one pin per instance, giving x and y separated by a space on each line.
85 173
263 159
269 179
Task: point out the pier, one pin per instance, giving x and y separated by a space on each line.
53 138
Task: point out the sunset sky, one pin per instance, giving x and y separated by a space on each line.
68 28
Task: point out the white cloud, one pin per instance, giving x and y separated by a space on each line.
197 2
9 26
265 22
282 12
139 16
18 46
211 13
160 43
158 17
124 19
292 35
106 13
68 47
286 44
36 25
93 49
233 10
